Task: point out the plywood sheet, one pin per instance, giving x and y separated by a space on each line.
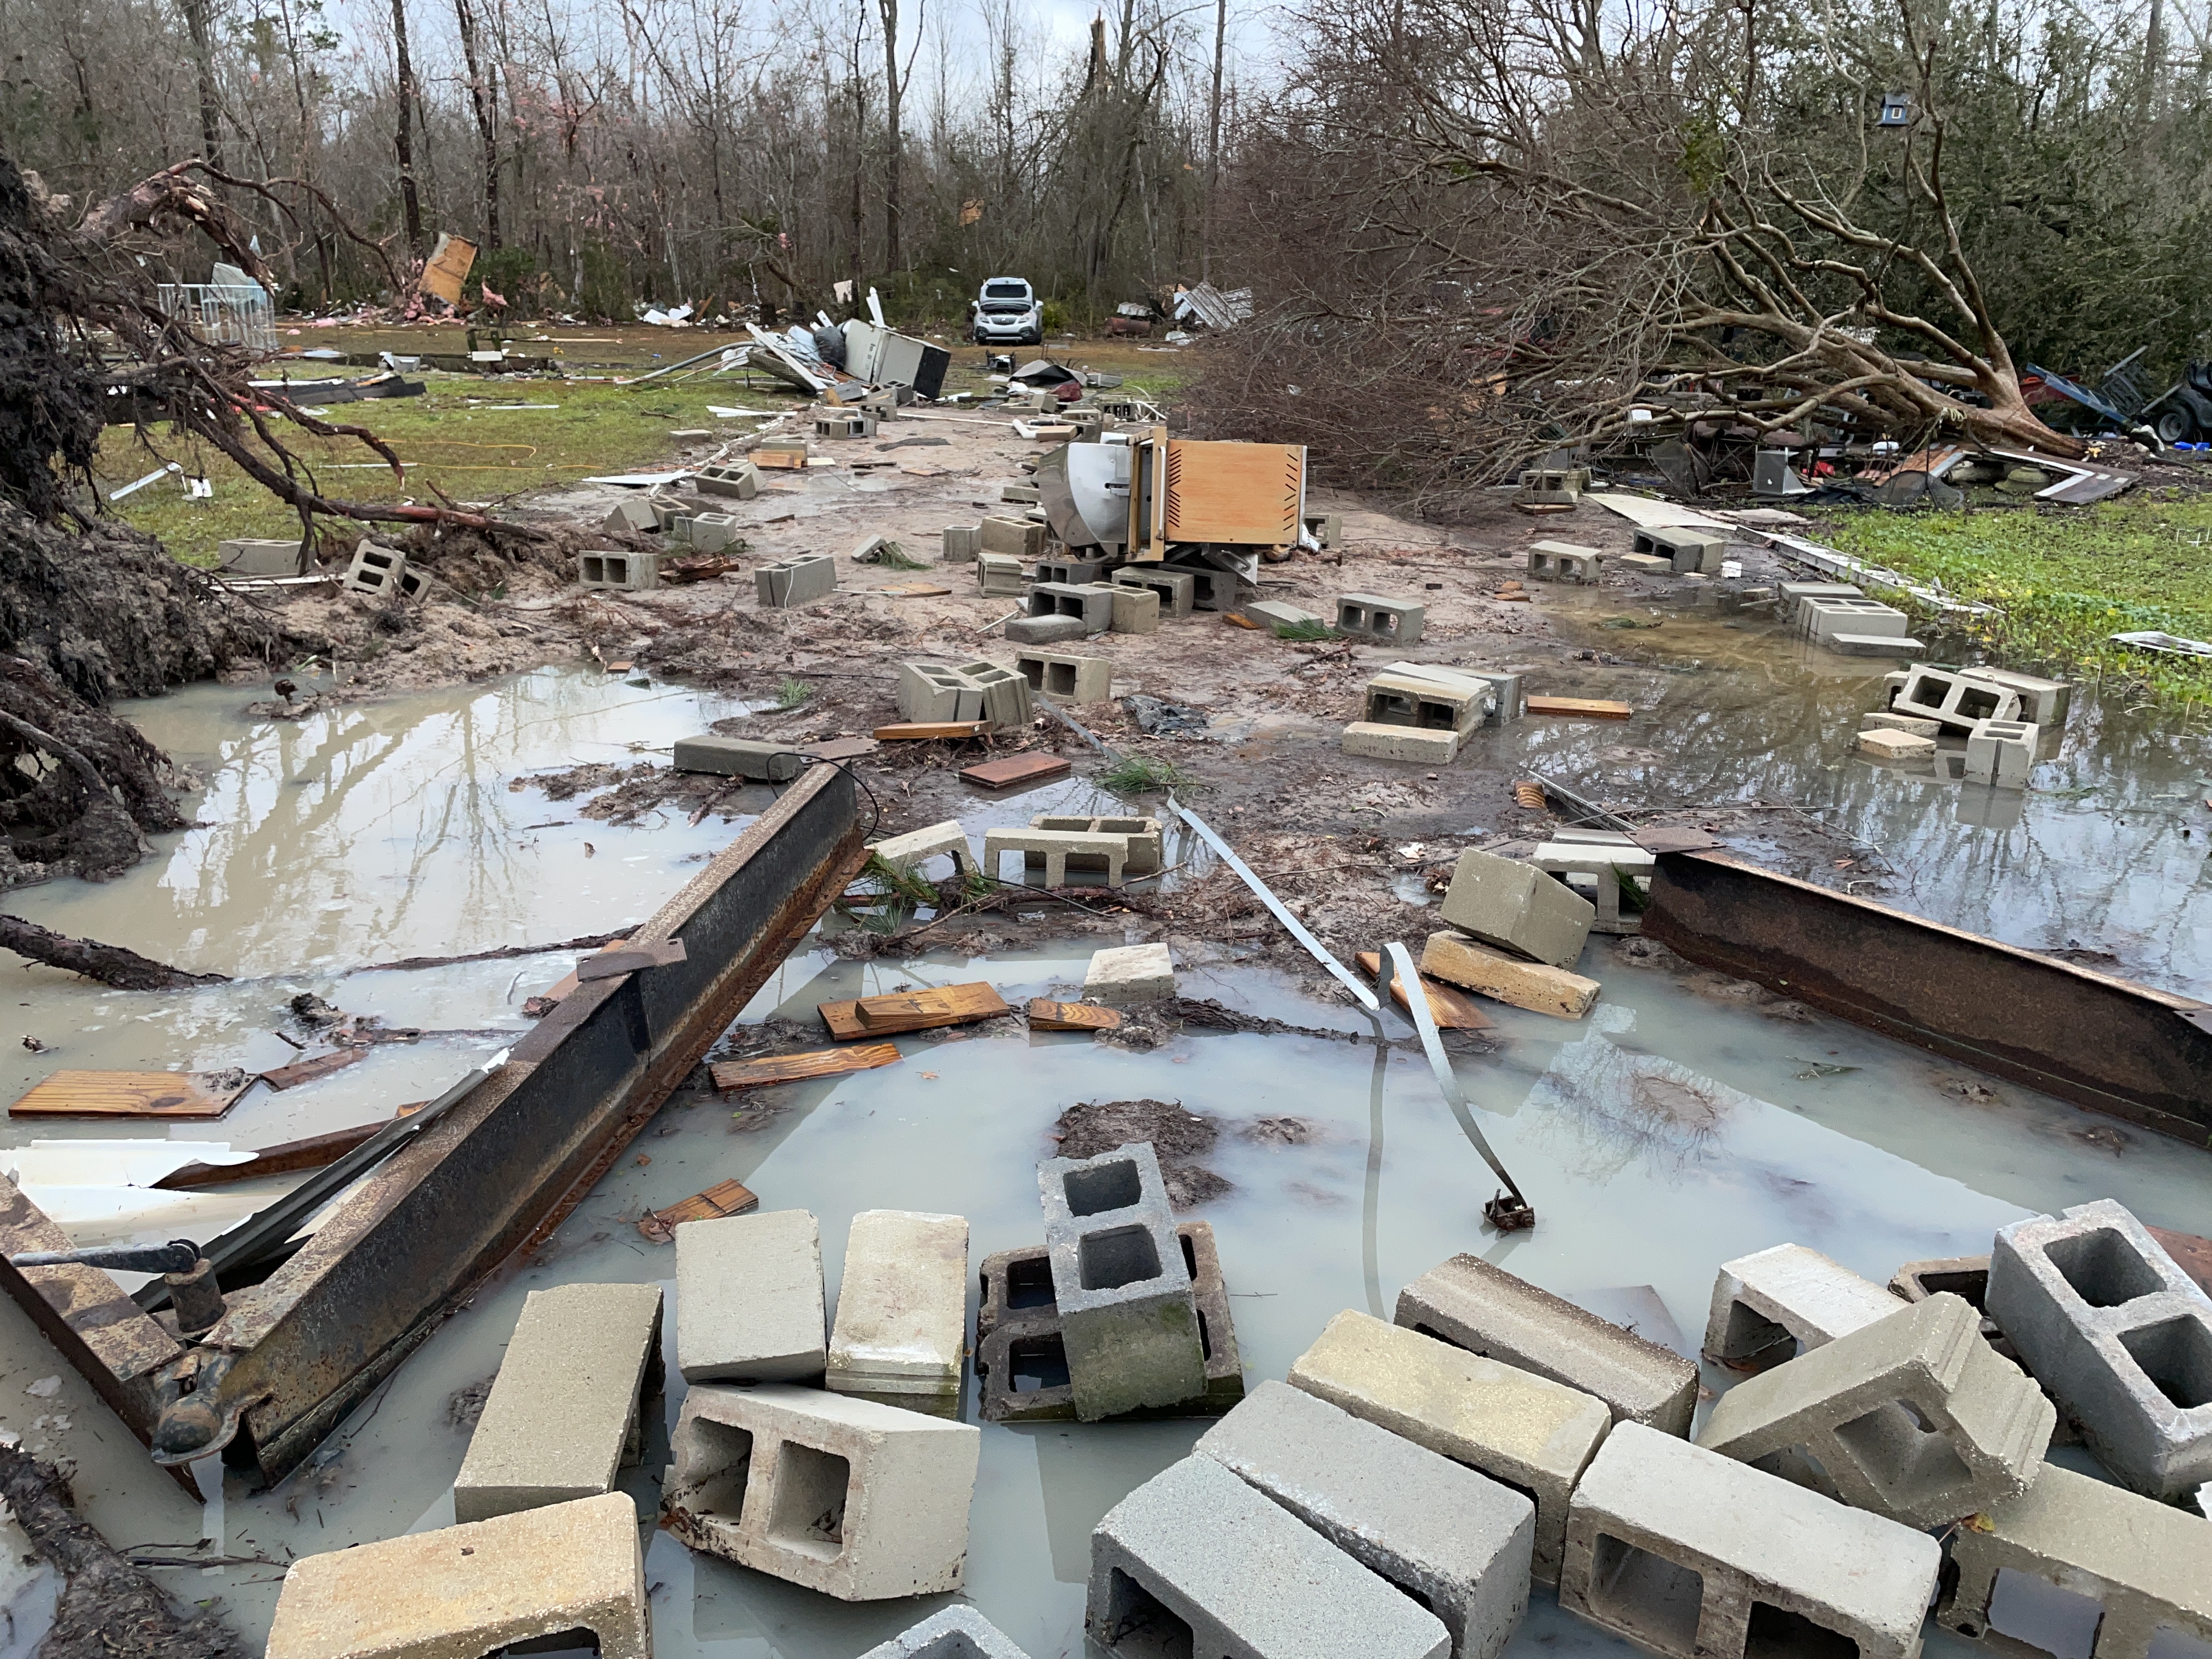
911 1010
1015 768
797 1068
1249 494
130 1094
724 1198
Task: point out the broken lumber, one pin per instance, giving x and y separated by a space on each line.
1045 1015
188 1094
306 1071
110 964
1587 708
798 1068
1452 1010
286 1158
724 1198
911 1010
1532 985
924 731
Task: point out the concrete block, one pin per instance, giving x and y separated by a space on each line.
635 573
2001 752
1889 744
908 851
2042 702
1873 645
1401 743
1955 701
251 556
1788 1293
1327 528
740 480
1883 719
1135 609
1687 1552
1095 607
749 1298
1277 613
957 1633
1788 594
1913 1417
459 1592
382 571
1073 572
1517 906
1129 973
1690 549
1063 677
1493 1313
737 758
1211 589
1195 1561
1006 693
562 1414
901 1333
1545 990
1533 1434
1021 1349
1143 835
1645 564
1055 849
1019 494
1046 630
1550 486
2145 1568
999 574
1431 700
1596 874
2120 1336
1386 621
712 532
1564 561
796 581
1128 1317
935 692
1457 1542
1175 588
1017 538
963 542
843 423
631 516
856 1499
1817 619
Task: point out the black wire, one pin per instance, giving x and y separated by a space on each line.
875 806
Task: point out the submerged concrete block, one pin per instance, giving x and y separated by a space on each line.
749 1298
902 1311
1534 1434
2120 1336
1456 1541
795 580
858 1500
957 1633
1956 700
737 758
1473 1305
1195 1561
562 1414
1127 1316
1784 1293
2145 1568
1517 906
1685 1553
1883 719
1888 745
459 1592
1913 1417
2001 752
1530 985
1127 973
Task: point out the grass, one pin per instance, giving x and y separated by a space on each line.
2064 579
908 883
1305 633
1144 775
790 693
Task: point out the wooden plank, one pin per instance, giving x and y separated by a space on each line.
798 1068
791 460
1247 494
915 590
950 1005
611 963
724 1198
2192 1255
1587 708
1045 1015
183 1095
924 731
1452 1009
1010 770
283 1159
306 1071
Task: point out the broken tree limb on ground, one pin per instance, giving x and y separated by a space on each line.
503 953
108 1609
110 964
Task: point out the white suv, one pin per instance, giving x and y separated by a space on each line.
1008 313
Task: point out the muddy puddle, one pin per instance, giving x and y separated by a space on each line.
1664 1134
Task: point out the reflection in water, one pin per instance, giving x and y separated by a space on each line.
1625 1108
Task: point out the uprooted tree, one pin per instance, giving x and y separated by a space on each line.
1550 222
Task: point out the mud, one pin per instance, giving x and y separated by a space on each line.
1180 1138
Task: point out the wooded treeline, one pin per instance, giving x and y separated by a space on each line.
617 151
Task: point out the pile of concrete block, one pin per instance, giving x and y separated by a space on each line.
1602 866
1856 626
974 690
1422 713
1514 905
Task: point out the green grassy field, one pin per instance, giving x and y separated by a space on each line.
2065 577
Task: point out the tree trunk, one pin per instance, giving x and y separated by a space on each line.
196 22
403 138
894 145
483 100
1212 144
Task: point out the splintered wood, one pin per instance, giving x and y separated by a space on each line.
1045 1015
798 1068
129 1094
1452 1010
724 1198
306 1071
911 1010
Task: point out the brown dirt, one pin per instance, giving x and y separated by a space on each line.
1179 1138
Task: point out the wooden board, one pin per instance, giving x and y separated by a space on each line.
1045 1015
924 731
2192 1255
1016 768
284 1158
1587 708
128 1094
1452 1009
306 1071
724 1198
797 1068
915 590
785 460
911 1010
1248 494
